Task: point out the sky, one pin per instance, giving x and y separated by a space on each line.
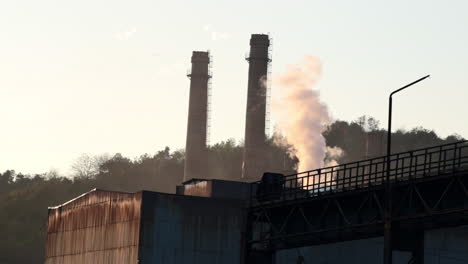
109 76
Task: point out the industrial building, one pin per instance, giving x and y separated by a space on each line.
205 223
278 220
327 216
202 223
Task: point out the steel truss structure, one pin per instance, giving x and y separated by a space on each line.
346 202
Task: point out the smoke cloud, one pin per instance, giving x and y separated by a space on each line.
300 114
333 153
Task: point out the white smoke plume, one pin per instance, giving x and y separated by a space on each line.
300 114
333 153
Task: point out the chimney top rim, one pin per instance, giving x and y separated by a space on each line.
260 40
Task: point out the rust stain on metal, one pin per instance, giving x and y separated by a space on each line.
198 188
97 227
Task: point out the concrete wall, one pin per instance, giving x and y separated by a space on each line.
190 230
443 246
358 251
448 246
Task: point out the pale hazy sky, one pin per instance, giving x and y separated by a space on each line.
106 76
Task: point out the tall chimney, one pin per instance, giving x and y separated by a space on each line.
195 148
258 59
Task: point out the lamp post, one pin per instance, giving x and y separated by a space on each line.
388 189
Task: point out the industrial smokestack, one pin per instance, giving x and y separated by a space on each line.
195 148
258 59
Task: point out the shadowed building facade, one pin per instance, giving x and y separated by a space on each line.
253 160
195 148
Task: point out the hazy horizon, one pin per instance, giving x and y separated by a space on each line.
109 76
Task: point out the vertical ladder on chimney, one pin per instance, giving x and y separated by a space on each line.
208 108
268 131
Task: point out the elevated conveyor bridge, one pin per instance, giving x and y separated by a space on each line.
346 202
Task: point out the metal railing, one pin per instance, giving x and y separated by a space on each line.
404 166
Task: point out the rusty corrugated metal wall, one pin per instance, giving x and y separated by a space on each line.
201 188
98 227
213 188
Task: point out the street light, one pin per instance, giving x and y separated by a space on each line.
388 190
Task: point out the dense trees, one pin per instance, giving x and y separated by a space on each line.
24 198
363 138
23 211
